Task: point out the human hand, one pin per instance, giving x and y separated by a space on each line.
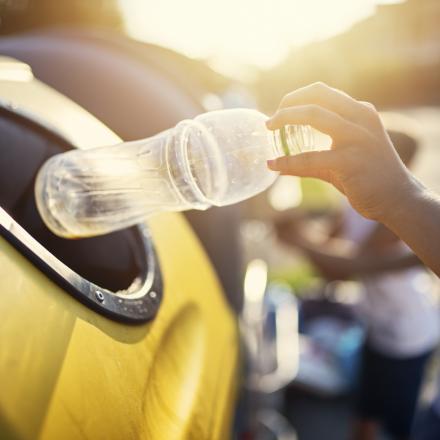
362 162
333 267
287 230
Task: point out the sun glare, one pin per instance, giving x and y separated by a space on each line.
233 34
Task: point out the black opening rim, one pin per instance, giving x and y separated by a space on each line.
137 305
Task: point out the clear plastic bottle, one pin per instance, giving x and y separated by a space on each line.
218 158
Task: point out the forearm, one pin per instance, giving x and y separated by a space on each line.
339 266
415 217
374 264
341 262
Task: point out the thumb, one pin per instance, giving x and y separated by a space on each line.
310 164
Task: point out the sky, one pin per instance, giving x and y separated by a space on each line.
237 34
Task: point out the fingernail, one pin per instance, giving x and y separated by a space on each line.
271 163
269 123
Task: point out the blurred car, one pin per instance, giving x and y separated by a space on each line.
127 335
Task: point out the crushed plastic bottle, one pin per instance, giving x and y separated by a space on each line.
216 159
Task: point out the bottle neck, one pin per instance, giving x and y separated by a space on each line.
293 139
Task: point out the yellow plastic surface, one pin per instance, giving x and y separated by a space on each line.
68 373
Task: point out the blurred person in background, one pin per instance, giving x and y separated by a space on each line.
363 164
396 350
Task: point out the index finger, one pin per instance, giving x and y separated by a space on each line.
338 128
334 100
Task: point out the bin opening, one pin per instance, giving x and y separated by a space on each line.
114 261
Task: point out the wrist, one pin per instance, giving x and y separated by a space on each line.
403 200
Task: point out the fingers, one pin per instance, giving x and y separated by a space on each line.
320 118
310 164
322 165
334 100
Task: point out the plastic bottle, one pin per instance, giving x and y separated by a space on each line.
218 158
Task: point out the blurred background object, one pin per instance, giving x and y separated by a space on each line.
22 15
391 58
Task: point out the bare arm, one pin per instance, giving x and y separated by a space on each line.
337 266
363 164
416 220
336 262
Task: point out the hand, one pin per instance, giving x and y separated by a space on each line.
333 267
287 231
362 162
290 226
